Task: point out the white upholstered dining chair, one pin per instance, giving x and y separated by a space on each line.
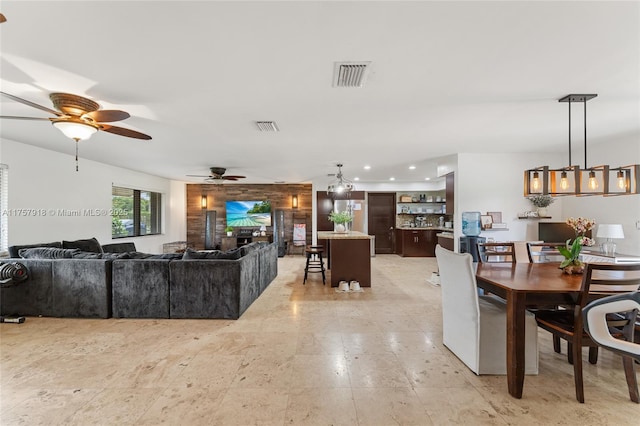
474 327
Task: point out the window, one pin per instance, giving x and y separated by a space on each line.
4 203
135 212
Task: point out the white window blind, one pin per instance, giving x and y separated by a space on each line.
4 203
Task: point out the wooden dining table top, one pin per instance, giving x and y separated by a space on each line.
538 277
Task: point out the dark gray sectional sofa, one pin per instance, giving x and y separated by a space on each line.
144 287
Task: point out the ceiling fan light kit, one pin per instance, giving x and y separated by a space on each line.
75 130
572 180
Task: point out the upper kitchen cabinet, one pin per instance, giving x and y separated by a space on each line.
449 208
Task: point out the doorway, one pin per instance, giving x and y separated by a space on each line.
382 220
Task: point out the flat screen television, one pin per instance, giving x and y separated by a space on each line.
248 213
557 232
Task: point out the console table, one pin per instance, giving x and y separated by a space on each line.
229 243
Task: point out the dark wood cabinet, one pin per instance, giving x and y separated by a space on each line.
449 183
446 242
416 242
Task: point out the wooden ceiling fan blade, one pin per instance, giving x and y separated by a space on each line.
121 131
107 115
229 178
235 177
2 18
31 104
13 117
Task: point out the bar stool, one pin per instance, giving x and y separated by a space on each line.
315 264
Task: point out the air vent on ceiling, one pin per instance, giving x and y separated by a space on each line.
350 74
267 126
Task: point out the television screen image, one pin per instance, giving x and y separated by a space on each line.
248 213
556 232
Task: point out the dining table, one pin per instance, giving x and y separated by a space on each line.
525 285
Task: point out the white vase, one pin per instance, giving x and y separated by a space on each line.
339 228
543 212
229 234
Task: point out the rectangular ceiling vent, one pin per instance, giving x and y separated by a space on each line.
350 74
267 126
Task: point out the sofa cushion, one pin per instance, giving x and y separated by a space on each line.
47 253
91 255
14 251
249 248
90 244
169 256
119 247
232 254
79 254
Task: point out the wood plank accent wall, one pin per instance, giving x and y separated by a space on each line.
278 194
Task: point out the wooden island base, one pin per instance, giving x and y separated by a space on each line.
349 257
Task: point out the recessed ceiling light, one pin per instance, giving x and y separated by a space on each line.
392 178
367 167
427 178
412 167
356 178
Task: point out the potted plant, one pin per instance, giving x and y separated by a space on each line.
572 263
340 220
541 201
229 231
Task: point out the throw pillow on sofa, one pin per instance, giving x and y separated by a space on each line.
118 248
90 244
47 253
14 251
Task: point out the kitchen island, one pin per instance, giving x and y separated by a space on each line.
349 256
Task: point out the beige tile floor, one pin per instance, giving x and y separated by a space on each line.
301 355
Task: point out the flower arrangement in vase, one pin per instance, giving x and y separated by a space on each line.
229 231
572 263
340 220
541 201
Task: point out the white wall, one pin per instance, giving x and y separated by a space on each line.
494 182
46 182
623 209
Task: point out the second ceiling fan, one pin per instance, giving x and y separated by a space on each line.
217 175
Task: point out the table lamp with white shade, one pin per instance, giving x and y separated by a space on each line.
609 231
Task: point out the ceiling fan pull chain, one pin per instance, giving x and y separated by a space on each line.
77 153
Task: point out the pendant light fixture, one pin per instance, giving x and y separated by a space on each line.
341 185
572 180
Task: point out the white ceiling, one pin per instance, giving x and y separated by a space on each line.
446 77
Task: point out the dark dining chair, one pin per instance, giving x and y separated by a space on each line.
541 252
599 280
496 252
544 252
595 316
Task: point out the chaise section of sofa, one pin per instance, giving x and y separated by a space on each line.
141 288
220 288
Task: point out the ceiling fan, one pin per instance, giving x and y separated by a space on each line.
78 117
217 175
